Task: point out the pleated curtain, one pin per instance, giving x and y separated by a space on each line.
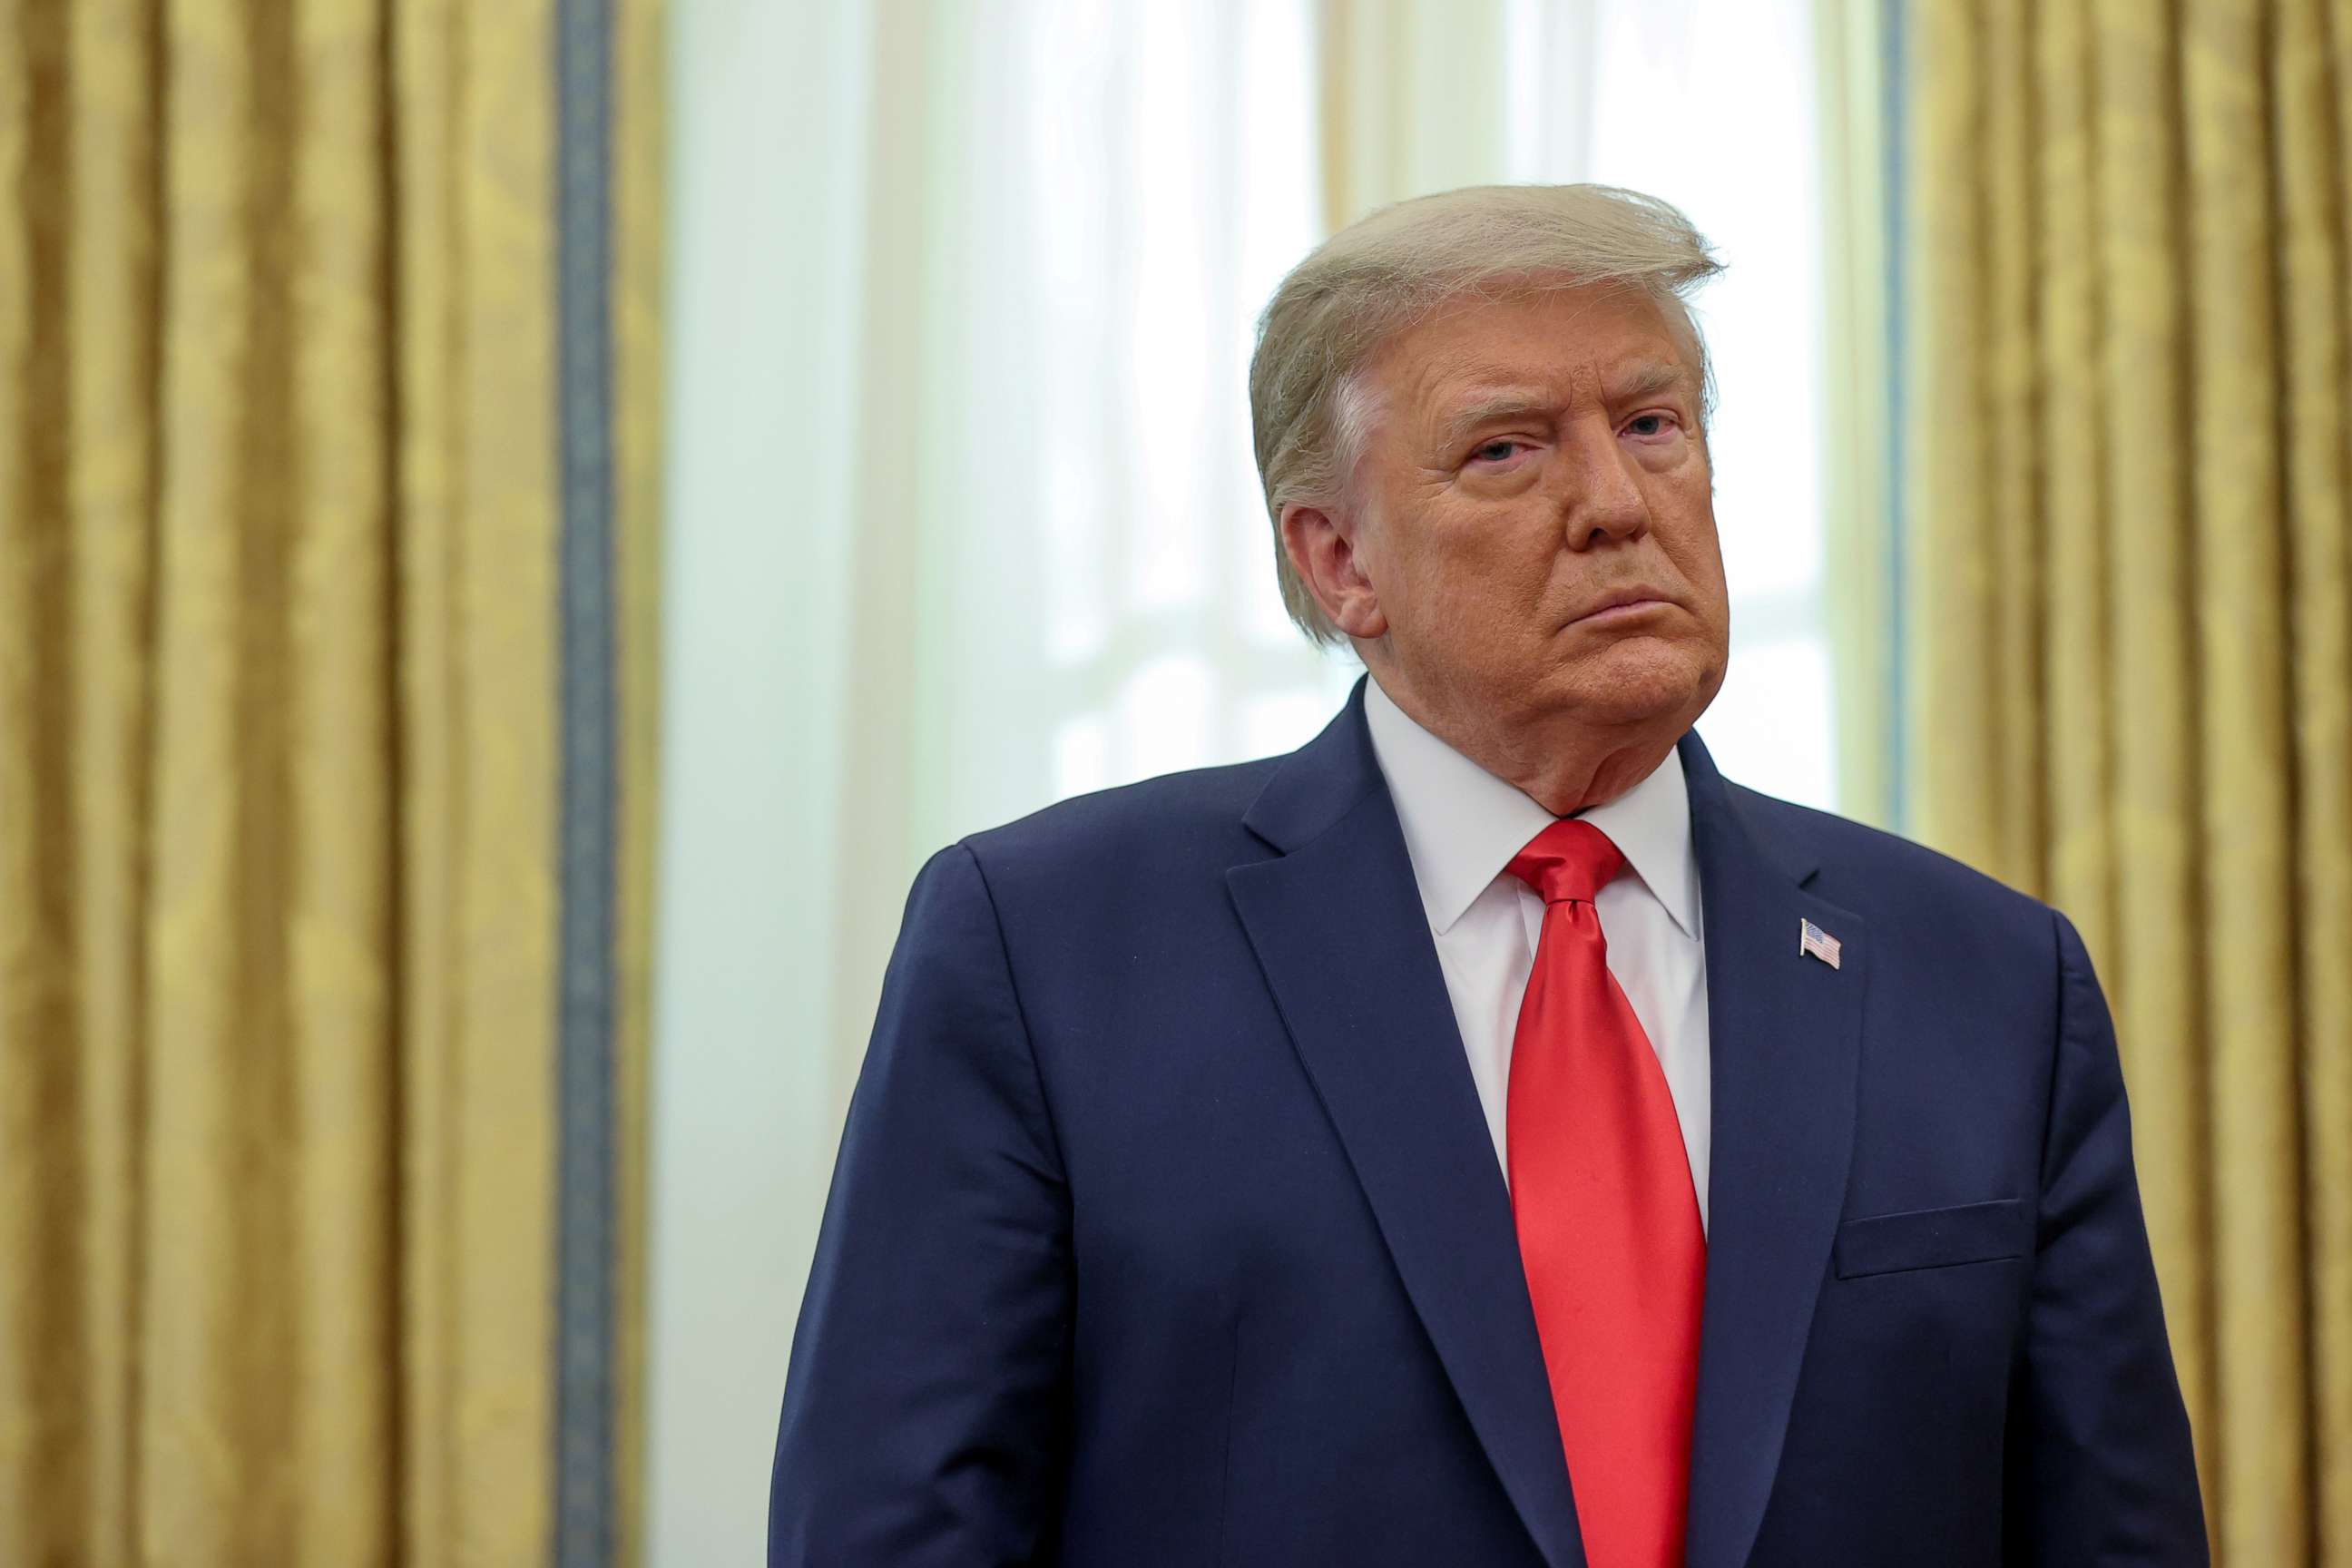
293 730
2128 559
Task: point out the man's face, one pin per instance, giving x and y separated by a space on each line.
1534 516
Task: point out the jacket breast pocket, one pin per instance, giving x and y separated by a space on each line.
1931 1238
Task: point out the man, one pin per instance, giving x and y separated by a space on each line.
1484 1135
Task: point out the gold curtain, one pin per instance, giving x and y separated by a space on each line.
2129 566
279 776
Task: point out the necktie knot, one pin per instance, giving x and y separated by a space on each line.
1571 860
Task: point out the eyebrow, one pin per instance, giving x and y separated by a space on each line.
1494 408
1646 380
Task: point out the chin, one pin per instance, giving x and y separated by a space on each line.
1641 681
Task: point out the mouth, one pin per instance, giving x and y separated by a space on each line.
1623 604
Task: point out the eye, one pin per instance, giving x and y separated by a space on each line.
1650 425
1497 451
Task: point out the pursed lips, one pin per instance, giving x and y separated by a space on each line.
1623 604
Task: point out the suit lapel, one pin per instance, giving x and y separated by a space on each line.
1338 927
1784 1038
1337 924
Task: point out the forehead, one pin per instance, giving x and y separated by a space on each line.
1571 343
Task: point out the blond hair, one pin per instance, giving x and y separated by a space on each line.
1391 270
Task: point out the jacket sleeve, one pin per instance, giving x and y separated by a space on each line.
922 1407
2100 1468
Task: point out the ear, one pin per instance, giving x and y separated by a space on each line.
1321 546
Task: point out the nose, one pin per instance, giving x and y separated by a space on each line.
1607 504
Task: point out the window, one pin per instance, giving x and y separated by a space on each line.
1172 158
961 515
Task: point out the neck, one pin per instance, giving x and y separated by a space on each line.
1561 763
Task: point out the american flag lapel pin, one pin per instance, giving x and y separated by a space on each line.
1812 938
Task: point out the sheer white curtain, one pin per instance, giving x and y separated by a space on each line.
961 512
1140 177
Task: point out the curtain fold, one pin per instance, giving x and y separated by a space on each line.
2130 550
281 779
1413 98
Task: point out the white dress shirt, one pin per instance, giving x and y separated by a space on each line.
1462 826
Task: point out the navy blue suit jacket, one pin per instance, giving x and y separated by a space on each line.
1167 1229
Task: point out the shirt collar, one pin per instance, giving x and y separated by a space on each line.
1461 824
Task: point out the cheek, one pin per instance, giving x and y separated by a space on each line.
1684 517
1459 556
1501 571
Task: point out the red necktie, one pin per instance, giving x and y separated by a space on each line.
1609 1229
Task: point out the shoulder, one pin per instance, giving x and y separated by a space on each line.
1172 830
1904 889
1096 874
